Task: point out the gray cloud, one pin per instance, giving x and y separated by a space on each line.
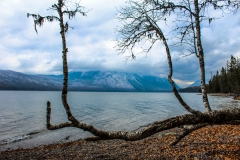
91 43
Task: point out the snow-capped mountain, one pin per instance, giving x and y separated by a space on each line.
10 80
196 83
84 81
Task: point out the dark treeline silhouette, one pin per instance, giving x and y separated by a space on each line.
191 89
228 79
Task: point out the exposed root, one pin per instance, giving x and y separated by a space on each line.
187 132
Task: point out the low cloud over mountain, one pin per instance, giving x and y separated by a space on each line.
84 81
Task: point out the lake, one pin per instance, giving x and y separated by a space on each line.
23 113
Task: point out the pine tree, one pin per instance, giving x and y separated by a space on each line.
229 78
223 81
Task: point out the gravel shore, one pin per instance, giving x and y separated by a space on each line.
211 142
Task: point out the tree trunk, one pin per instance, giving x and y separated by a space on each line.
215 117
65 64
175 91
201 58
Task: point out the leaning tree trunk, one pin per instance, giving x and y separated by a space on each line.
201 58
65 64
183 103
175 91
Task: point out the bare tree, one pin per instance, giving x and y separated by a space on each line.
148 27
187 24
190 13
142 26
62 9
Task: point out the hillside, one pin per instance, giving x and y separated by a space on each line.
84 81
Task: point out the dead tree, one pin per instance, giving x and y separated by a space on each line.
143 26
190 13
195 118
188 21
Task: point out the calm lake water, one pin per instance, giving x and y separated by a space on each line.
23 113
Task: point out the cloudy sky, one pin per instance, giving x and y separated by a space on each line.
91 43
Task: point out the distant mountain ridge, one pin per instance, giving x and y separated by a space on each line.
194 87
84 81
10 80
195 84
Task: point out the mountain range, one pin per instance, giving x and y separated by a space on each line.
195 84
84 81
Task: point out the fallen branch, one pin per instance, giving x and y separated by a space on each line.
187 132
214 117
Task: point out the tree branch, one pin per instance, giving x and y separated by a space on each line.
54 127
39 20
187 132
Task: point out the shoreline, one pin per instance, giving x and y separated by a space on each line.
220 94
234 96
217 141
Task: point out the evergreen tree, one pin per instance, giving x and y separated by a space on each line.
228 81
223 81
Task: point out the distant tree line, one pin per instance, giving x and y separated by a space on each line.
228 79
191 89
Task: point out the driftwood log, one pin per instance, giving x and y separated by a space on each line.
228 116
